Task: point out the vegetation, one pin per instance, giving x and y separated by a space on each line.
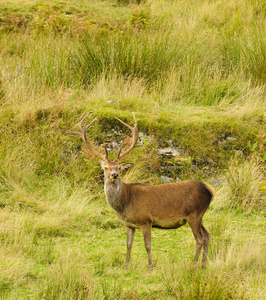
194 73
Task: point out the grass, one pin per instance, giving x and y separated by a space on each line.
194 74
244 182
66 250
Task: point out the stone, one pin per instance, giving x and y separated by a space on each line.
166 179
218 182
169 151
111 101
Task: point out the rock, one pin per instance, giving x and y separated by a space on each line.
165 179
222 143
113 146
218 182
231 139
143 138
228 139
111 101
210 161
169 151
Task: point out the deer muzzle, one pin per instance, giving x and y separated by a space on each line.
114 177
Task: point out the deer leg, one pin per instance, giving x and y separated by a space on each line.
146 232
130 237
199 237
205 246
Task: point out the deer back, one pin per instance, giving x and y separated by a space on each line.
165 205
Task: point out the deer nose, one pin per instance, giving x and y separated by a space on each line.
114 175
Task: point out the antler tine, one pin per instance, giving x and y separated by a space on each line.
134 131
84 137
106 151
86 127
120 149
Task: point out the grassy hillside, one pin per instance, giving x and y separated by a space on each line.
194 73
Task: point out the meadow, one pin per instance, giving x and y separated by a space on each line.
194 73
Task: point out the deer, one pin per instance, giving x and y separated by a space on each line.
144 206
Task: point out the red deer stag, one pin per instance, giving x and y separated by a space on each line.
165 206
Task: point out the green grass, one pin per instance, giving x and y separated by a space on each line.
63 249
194 74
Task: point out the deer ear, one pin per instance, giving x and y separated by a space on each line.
102 163
126 166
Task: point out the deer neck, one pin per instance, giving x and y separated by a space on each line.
114 194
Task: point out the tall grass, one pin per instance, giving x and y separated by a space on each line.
208 60
244 187
145 55
243 190
191 69
194 73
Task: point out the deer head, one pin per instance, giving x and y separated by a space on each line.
111 168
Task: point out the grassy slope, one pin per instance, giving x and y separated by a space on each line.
59 239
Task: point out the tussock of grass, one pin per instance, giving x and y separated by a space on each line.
242 187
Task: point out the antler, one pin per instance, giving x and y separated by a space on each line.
134 131
84 137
